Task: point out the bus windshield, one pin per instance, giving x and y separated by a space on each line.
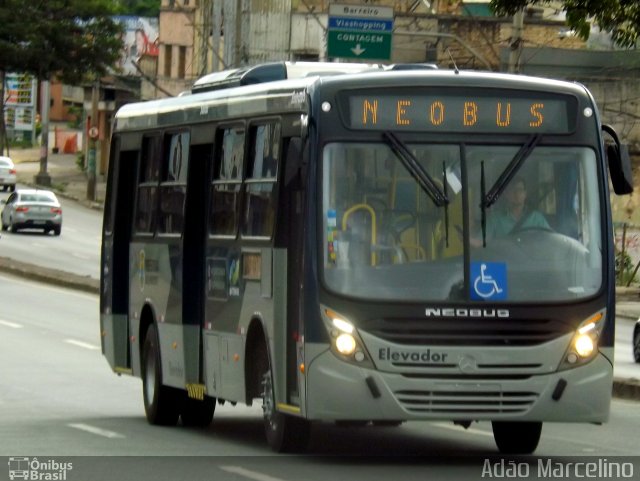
385 239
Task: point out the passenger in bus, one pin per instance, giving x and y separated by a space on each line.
515 215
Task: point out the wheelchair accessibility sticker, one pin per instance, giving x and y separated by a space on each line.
488 281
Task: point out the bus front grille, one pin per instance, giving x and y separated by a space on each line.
467 332
460 402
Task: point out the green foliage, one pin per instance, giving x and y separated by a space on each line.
73 40
80 161
140 8
624 268
23 143
620 17
76 111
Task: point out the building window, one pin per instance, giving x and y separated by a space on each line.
167 60
182 61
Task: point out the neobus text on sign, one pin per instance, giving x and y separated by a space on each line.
464 114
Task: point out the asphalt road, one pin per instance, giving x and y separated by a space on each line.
59 398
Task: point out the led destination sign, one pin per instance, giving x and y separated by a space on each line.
462 113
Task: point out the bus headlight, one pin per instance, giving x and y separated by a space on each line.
346 344
345 341
584 344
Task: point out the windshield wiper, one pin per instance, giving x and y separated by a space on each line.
510 171
422 177
488 199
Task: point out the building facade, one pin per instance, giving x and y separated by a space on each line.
202 36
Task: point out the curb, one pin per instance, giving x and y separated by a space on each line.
626 389
50 276
622 388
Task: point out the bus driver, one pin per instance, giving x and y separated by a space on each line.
514 216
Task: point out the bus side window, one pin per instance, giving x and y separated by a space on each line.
174 183
149 176
260 185
227 179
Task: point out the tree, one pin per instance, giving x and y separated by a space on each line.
620 17
141 8
72 40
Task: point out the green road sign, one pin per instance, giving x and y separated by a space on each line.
360 31
359 44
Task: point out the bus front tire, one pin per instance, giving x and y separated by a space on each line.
516 437
285 434
161 403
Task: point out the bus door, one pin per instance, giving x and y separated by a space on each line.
116 235
290 236
194 246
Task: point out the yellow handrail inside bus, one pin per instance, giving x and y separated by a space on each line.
372 213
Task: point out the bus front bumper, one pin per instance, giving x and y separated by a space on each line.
341 391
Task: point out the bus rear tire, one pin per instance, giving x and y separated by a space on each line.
161 403
285 434
513 437
197 413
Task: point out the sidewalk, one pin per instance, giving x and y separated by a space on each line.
67 179
628 302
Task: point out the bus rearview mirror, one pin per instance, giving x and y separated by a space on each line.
619 164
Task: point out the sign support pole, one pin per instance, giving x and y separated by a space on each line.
91 153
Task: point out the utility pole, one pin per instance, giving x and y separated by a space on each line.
219 62
93 139
516 41
42 177
243 34
4 141
230 20
207 12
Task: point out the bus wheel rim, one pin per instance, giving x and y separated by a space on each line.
268 408
150 377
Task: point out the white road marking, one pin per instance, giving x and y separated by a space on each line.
80 256
10 324
84 345
460 429
94 430
247 473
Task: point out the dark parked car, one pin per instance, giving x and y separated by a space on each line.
32 209
636 341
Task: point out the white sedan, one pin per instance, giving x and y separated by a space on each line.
7 174
32 209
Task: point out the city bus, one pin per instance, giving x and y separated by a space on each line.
325 240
